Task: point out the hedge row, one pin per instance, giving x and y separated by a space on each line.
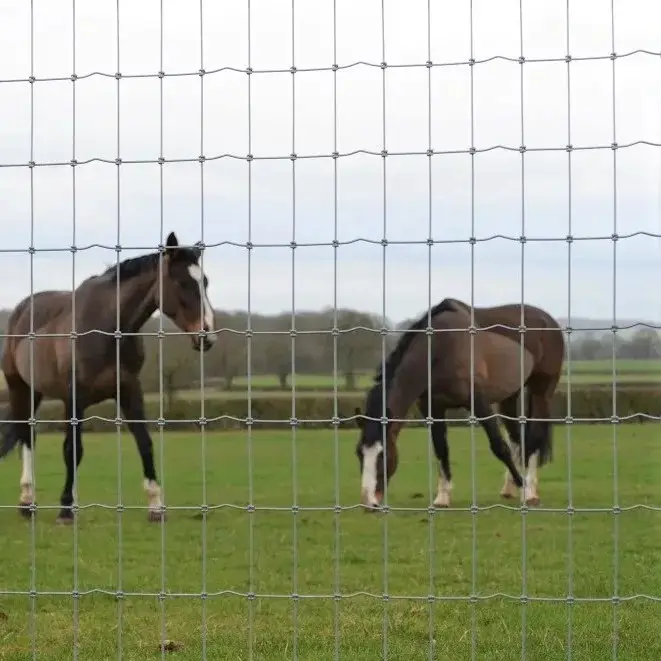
316 412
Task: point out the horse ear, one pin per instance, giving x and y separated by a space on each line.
172 242
359 420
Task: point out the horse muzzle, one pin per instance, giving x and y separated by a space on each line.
371 501
203 342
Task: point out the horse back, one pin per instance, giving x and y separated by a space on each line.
496 358
46 305
543 336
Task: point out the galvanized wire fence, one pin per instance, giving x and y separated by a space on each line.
562 233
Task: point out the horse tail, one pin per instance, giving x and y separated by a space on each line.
542 438
9 439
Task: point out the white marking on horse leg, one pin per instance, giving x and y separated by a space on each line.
443 496
153 491
368 478
509 489
197 275
530 491
27 492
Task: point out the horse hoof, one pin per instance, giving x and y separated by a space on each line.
24 509
533 502
155 516
441 506
371 509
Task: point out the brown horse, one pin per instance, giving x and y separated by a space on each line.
497 362
89 374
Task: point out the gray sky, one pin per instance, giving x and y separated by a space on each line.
494 273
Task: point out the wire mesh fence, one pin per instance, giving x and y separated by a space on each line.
225 574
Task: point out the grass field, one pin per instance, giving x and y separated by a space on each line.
298 553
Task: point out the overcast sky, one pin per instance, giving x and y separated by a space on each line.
222 125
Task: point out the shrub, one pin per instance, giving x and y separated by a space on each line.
593 403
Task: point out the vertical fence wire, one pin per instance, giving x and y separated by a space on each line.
294 421
118 391
249 428
161 334
33 476
337 587
430 415
615 419
202 284
568 357
75 429
522 337
384 322
473 599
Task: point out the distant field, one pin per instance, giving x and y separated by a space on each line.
622 366
582 371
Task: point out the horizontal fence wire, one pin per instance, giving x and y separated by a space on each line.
250 423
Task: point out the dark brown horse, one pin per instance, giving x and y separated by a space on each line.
89 374
497 362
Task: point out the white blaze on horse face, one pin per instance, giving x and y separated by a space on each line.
27 496
368 481
197 275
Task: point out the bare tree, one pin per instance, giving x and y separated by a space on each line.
277 349
358 344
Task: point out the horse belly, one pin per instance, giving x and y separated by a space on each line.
42 372
505 377
103 385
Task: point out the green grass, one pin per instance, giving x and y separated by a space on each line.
497 568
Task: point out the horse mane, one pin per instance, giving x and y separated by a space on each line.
134 266
397 354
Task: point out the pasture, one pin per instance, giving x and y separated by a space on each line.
583 372
316 553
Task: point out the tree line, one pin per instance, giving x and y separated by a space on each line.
641 344
270 348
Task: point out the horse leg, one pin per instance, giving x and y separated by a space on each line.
539 443
19 408
28 441
72 451
508 407
498 444
132 403
439 435
538 446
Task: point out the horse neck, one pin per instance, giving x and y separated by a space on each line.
408 382
137 302
399 397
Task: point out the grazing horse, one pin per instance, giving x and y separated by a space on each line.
497 363
89 374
